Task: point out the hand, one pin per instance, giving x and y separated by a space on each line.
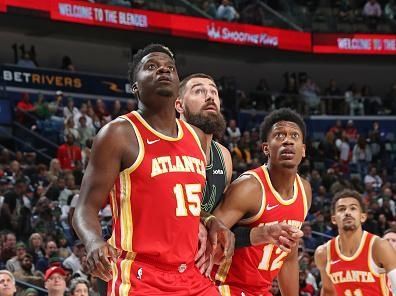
282 235
220 237
98 262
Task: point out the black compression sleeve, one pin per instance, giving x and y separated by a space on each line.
242 236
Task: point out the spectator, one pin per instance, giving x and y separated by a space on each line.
25 110
344 148
70 111
79 287
275 291
346 13
337 129
361 156
30 292
372 11
354 99
373 179
210 8
69 154
387 198
56 107
371 225
390 10
70 129
310 93
7 283
14 264
233 130
101 111
41 108
8 249
332 89
51 249
382 224
26 60
27 273
117 109
85 132
227 12
305 288
54 169
131 105
36 247
67 64
74 260
55 281
310 243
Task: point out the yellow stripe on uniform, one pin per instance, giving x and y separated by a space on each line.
225 290
126 212
126 267
223 271
115 277
114 209
384 285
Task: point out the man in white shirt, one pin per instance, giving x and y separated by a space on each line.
74 260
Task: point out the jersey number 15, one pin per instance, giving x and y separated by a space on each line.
187 196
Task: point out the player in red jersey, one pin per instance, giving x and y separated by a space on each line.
355 262
270 195
153 168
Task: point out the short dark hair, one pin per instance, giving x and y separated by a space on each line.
345 194
282 114
133 66
182 85
389 230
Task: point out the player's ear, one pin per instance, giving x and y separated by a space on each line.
303 150
179 106
333 220
134 88
265 148
363 217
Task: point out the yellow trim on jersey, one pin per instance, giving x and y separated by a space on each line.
115 277
358 251
328 258
384 285
286 202
305 201
193 132
126 267
370 257
141 152
225 290
114 207
263 202
158 134
126 223
222 272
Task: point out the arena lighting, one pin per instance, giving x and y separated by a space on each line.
371 44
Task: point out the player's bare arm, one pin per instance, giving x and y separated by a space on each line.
320 261
112 152
289 274
385 256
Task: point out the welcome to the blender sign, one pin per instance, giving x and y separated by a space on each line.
222 33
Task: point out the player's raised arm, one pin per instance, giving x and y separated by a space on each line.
107 160
320 261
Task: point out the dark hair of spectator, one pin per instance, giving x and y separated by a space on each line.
137 58
182 86
282 114
347 193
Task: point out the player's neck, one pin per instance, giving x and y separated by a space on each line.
208 138
162 120
349 241
282 180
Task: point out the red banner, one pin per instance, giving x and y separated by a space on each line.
371 44
2 6
178 25
43 5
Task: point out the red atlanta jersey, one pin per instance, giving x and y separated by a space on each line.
156 202
252 269
357 275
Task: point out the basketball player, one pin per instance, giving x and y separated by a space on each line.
154 168
355 262
272 194
199 104
390 236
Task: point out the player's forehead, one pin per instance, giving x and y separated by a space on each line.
157 57
347 201
200 81
286 125
390 235
4 277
